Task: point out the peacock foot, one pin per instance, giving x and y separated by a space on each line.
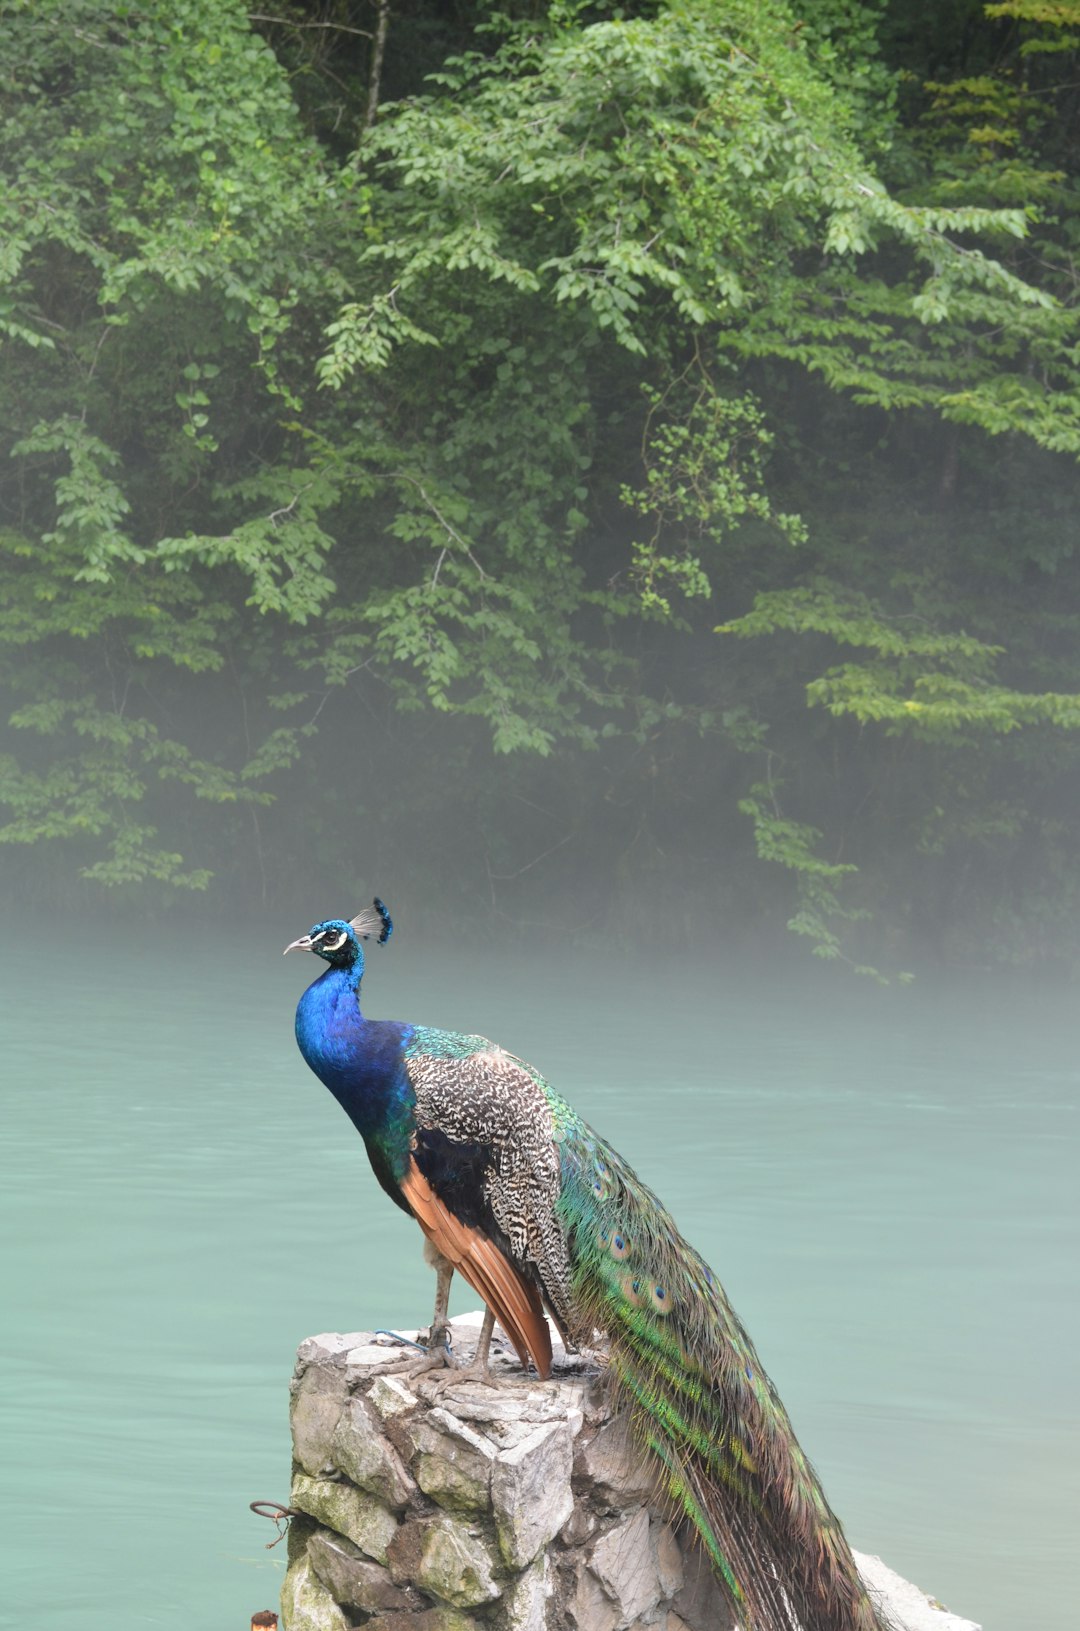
436 1352
437 1357
477 1370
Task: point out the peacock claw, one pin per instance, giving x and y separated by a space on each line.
434 1359
477 1370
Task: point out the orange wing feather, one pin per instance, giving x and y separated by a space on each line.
513 1300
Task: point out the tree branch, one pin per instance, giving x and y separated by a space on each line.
291 22
382 23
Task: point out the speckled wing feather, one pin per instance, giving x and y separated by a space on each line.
485 1140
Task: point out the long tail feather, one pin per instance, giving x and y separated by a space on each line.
700 1401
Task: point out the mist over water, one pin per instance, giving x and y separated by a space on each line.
885 1180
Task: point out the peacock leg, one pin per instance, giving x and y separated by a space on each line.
477 1370
438 1344
438 1336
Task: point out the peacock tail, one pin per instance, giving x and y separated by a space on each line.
698 1397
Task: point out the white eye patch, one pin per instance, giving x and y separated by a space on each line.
336 943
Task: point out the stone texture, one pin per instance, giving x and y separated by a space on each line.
327 1349
306 1605
498 1406
613 1464
668 1554
314 1410
525 1604
453 1461
450 1487
446 1558
530 1492
625 1564
359 1450
390 1397
701 1604
348 1511
431 1619
579 1525
352 1579
591 1609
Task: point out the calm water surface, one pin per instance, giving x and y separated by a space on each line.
887 1182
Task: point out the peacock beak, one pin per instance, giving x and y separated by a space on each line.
305 943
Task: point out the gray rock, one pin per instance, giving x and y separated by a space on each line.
347 1511
450 1487
454 1461
530 1492
668 1555
306 1605
446 1558
314 1410
590 1607
328 1349
507 1435
578 1526
525 1603
613 1464
353 1579
512 1400
390 1397
625 1564
432 1619
367 1460
701 1604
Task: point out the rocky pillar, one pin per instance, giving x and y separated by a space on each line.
436 1504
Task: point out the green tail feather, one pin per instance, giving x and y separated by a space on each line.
700 1401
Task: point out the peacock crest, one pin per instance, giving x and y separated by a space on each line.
373 920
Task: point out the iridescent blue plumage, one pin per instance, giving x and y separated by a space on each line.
361 1061
522 1197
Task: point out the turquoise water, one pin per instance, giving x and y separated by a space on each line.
886 1181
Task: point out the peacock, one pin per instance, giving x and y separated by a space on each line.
518 1194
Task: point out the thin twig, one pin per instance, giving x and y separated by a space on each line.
382 23
290 22
402 475
504 877
287 509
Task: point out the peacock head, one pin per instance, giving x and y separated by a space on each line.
338 942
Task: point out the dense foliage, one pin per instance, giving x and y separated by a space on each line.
544 454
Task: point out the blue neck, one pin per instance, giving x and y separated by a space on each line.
359 1060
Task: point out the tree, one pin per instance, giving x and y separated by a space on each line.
474 415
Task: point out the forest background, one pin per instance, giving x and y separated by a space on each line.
586 467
